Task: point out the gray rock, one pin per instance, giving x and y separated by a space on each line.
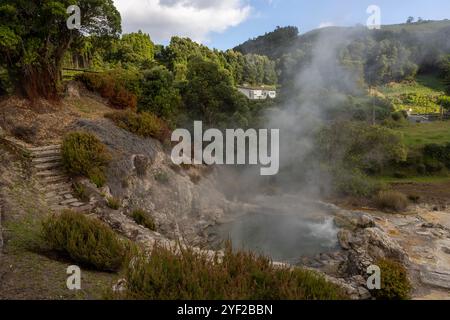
344 238
435 277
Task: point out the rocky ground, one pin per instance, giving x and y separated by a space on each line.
419 239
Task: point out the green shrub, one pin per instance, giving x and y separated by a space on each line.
391 200
435 153
83 154
395 284
84 240
354 183
188 275
144 124
144 219
445 102
113 203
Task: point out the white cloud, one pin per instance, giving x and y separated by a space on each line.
196 19
326 24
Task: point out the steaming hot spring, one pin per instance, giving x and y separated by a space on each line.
285 229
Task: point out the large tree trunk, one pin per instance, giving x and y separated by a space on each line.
41 81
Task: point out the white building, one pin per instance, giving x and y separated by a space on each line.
258 93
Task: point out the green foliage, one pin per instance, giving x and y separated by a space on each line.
444 101
271 44
387 61
116 86
35 38
84 240
395 284
160 95
359 146
187 275
440 153
134 48
391 200
350 182
113 203
83 154
144 219
144 124
209 96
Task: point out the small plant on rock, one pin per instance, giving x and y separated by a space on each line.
395 284
144 219
113 203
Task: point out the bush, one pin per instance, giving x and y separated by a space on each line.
353 183
113 87
188 275
144 219
113 203
395 284
445 102
83 154
84 240
434 153
391 200
144 124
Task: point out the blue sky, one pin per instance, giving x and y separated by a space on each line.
310 14
224 24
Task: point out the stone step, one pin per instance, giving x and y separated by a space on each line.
47 166
45 153
69 201
45 148
77 204
50 173
84 208
50 159
65 194
60 187
55 179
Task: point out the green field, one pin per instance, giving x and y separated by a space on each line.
421 96
420 134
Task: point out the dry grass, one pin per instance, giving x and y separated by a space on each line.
392 201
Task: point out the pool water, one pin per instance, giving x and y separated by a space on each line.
283 237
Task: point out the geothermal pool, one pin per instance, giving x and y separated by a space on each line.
283 237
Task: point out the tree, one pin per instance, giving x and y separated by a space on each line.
134 48
34 39
410 20
209 95
159 94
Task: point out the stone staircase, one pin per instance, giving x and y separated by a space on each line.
54 182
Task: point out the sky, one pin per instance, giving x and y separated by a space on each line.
223 24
